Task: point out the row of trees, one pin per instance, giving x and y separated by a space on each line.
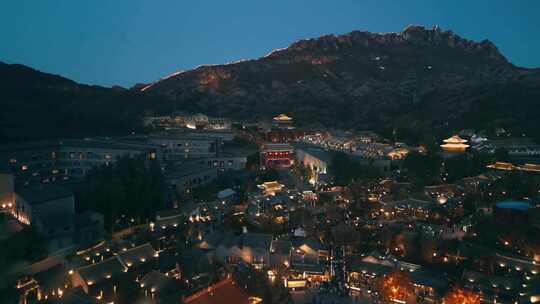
133 187
429 168
26 245
346 169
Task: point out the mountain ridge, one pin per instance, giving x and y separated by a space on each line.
416 34
359 80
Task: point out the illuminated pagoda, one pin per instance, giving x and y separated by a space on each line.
455 144
283 121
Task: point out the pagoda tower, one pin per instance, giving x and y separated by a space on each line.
455 144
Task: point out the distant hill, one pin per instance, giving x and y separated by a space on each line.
37 105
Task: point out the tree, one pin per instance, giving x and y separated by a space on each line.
396 286
268 175
131 187
422 169
26 244
346 169
458 295
501 154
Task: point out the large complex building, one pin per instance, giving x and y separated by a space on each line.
49 208
190 121
180 147
189 175
49 161
315 158
276 155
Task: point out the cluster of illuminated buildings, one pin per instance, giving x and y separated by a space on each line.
190 253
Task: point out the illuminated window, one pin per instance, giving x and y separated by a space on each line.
24 167
13 161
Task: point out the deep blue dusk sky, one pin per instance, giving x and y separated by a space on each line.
121 42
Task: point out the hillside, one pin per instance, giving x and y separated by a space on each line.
37 105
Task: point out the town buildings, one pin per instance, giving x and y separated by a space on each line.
67 159
49 208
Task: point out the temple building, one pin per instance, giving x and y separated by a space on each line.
454 144
271 188
398 153
276 155
283 121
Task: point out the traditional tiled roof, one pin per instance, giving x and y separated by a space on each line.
225 291
269 147
455 140
309 242
502 166
43 193
98 272
156 282
73 296
429 279
308 268
365 267
282 117
260 241
531 167
509 284
137 255
54 277
271 185
193 262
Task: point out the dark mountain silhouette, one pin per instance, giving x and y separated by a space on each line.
37 105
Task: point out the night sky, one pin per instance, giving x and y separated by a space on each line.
125 42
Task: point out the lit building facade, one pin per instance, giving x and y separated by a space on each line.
7 193
276 155
64 160
177 148
49 208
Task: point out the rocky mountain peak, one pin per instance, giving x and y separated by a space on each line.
356 79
